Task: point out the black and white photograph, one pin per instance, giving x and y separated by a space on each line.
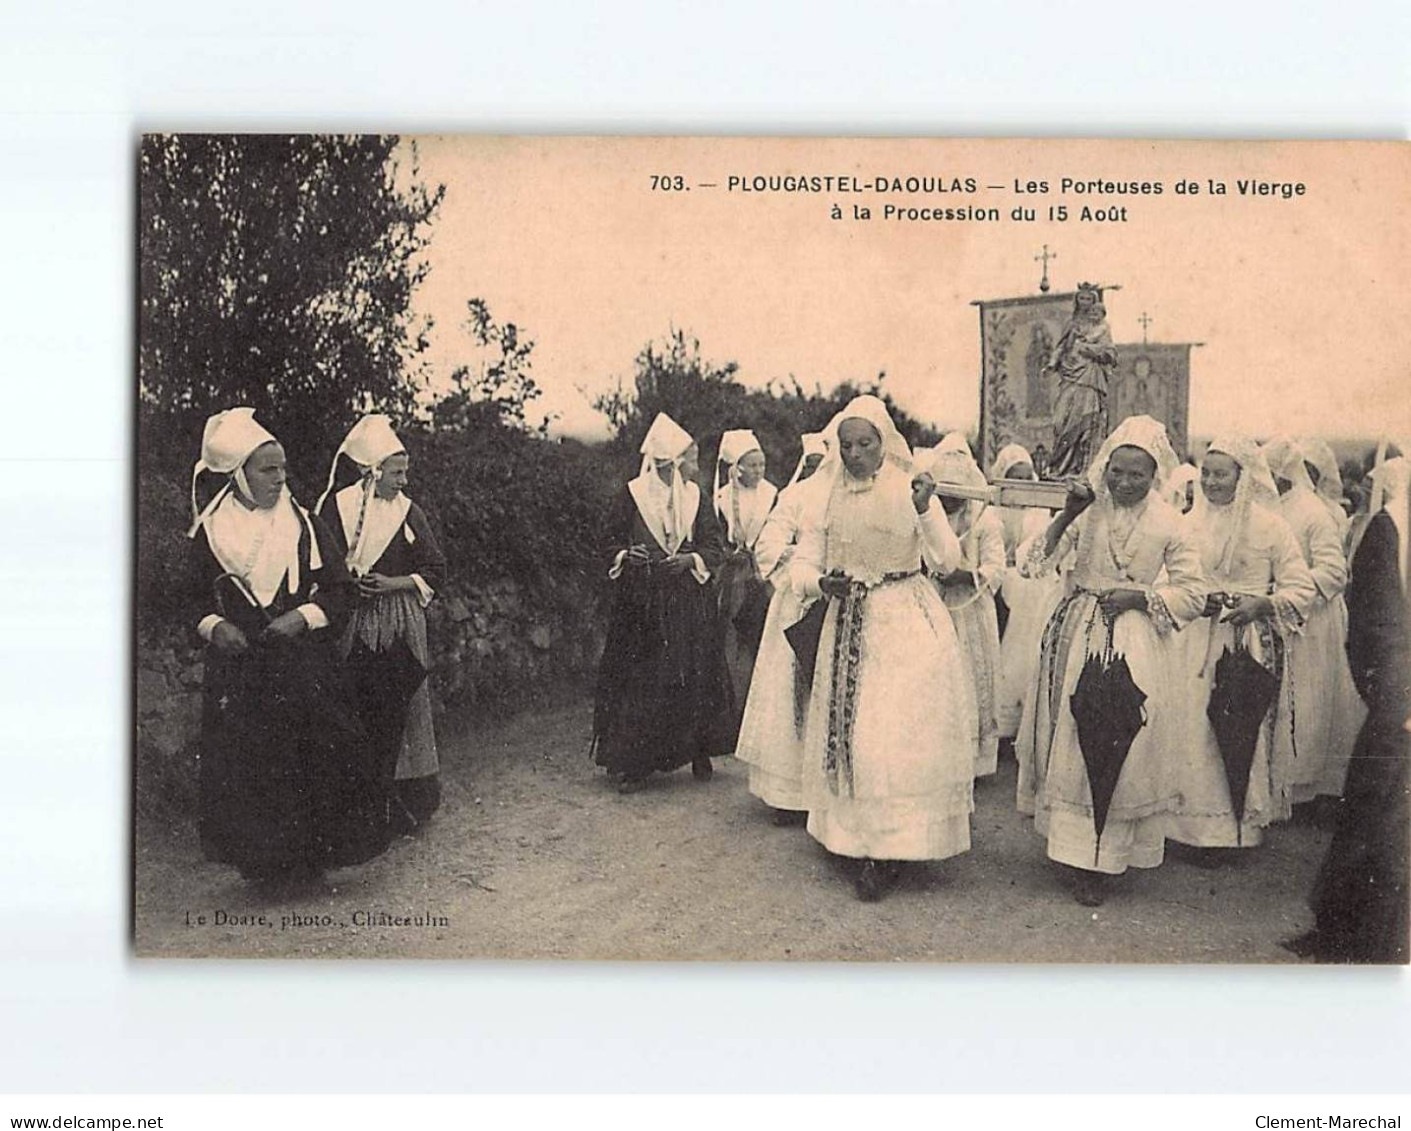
765 549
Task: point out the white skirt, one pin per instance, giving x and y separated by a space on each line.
977 629
912 747
1205 814
1328 713
771 739
1031 602
1053 778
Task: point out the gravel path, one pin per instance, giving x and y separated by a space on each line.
533 856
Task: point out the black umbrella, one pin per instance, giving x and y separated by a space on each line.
1243 691
1108 709
803 636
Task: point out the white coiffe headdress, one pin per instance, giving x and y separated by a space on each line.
1141 432
369 443
229 439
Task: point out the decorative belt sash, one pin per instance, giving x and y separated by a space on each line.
842 700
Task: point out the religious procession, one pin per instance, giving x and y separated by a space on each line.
1177 655
536 632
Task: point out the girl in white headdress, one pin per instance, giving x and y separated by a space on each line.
288 783
1259 592
1135 580
969 589
1180 489
742 504
662 699
1030 601
392 552
771 733
889 746
1321 463
1328 710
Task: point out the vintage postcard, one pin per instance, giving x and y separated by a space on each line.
771 549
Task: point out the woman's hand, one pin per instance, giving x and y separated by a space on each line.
835 584
679 563
377 584
637 555
1249 609
1115 602
923 487
228 640
286 626
1080 498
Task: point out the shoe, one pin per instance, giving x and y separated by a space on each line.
702 770
868 884
788 818
631 785
1089 889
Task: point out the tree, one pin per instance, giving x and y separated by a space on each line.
706 399
499 389
278 272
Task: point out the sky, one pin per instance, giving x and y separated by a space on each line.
1302 303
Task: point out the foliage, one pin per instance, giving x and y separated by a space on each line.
706 399
277 271
503 383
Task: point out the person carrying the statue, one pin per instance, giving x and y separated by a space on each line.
1102 722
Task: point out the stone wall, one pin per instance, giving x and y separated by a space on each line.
495 649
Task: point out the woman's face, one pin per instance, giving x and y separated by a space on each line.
265 473
691 464
393 480
1219 476
860 446
810 465
1130 473
750 468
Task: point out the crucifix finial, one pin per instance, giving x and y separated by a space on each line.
1043 257
1145 320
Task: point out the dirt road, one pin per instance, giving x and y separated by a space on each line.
533 856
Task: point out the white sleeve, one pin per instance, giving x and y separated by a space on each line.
806 565
313 616
940 548
208 626
771 548
424 592
990 569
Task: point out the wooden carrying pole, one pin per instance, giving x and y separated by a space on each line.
1011 493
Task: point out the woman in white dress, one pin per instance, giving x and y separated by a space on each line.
1259 591
771 734
1135 580
1321 463
1328 712
1031 600
742 503
889 747
969 589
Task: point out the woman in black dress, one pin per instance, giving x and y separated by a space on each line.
288 785
393 554
662 699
